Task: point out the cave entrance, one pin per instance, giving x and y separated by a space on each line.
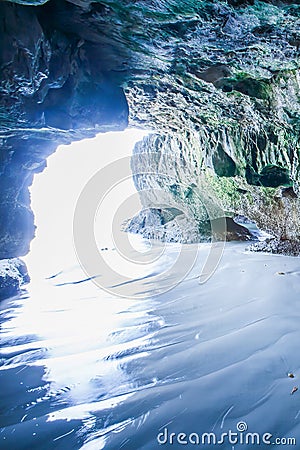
55 191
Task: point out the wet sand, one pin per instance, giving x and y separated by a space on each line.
82 369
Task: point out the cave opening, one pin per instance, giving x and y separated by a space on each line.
55 191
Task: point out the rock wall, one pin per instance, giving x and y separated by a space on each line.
228 105
221 77
185 181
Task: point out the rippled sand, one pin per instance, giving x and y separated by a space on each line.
82 369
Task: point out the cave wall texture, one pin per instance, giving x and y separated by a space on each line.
216 82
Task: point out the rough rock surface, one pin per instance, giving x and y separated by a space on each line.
223 75
13 275
56 86
179 172
173 226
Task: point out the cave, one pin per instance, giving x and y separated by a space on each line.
213 89
80 71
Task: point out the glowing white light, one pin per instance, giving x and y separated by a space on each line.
55 192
